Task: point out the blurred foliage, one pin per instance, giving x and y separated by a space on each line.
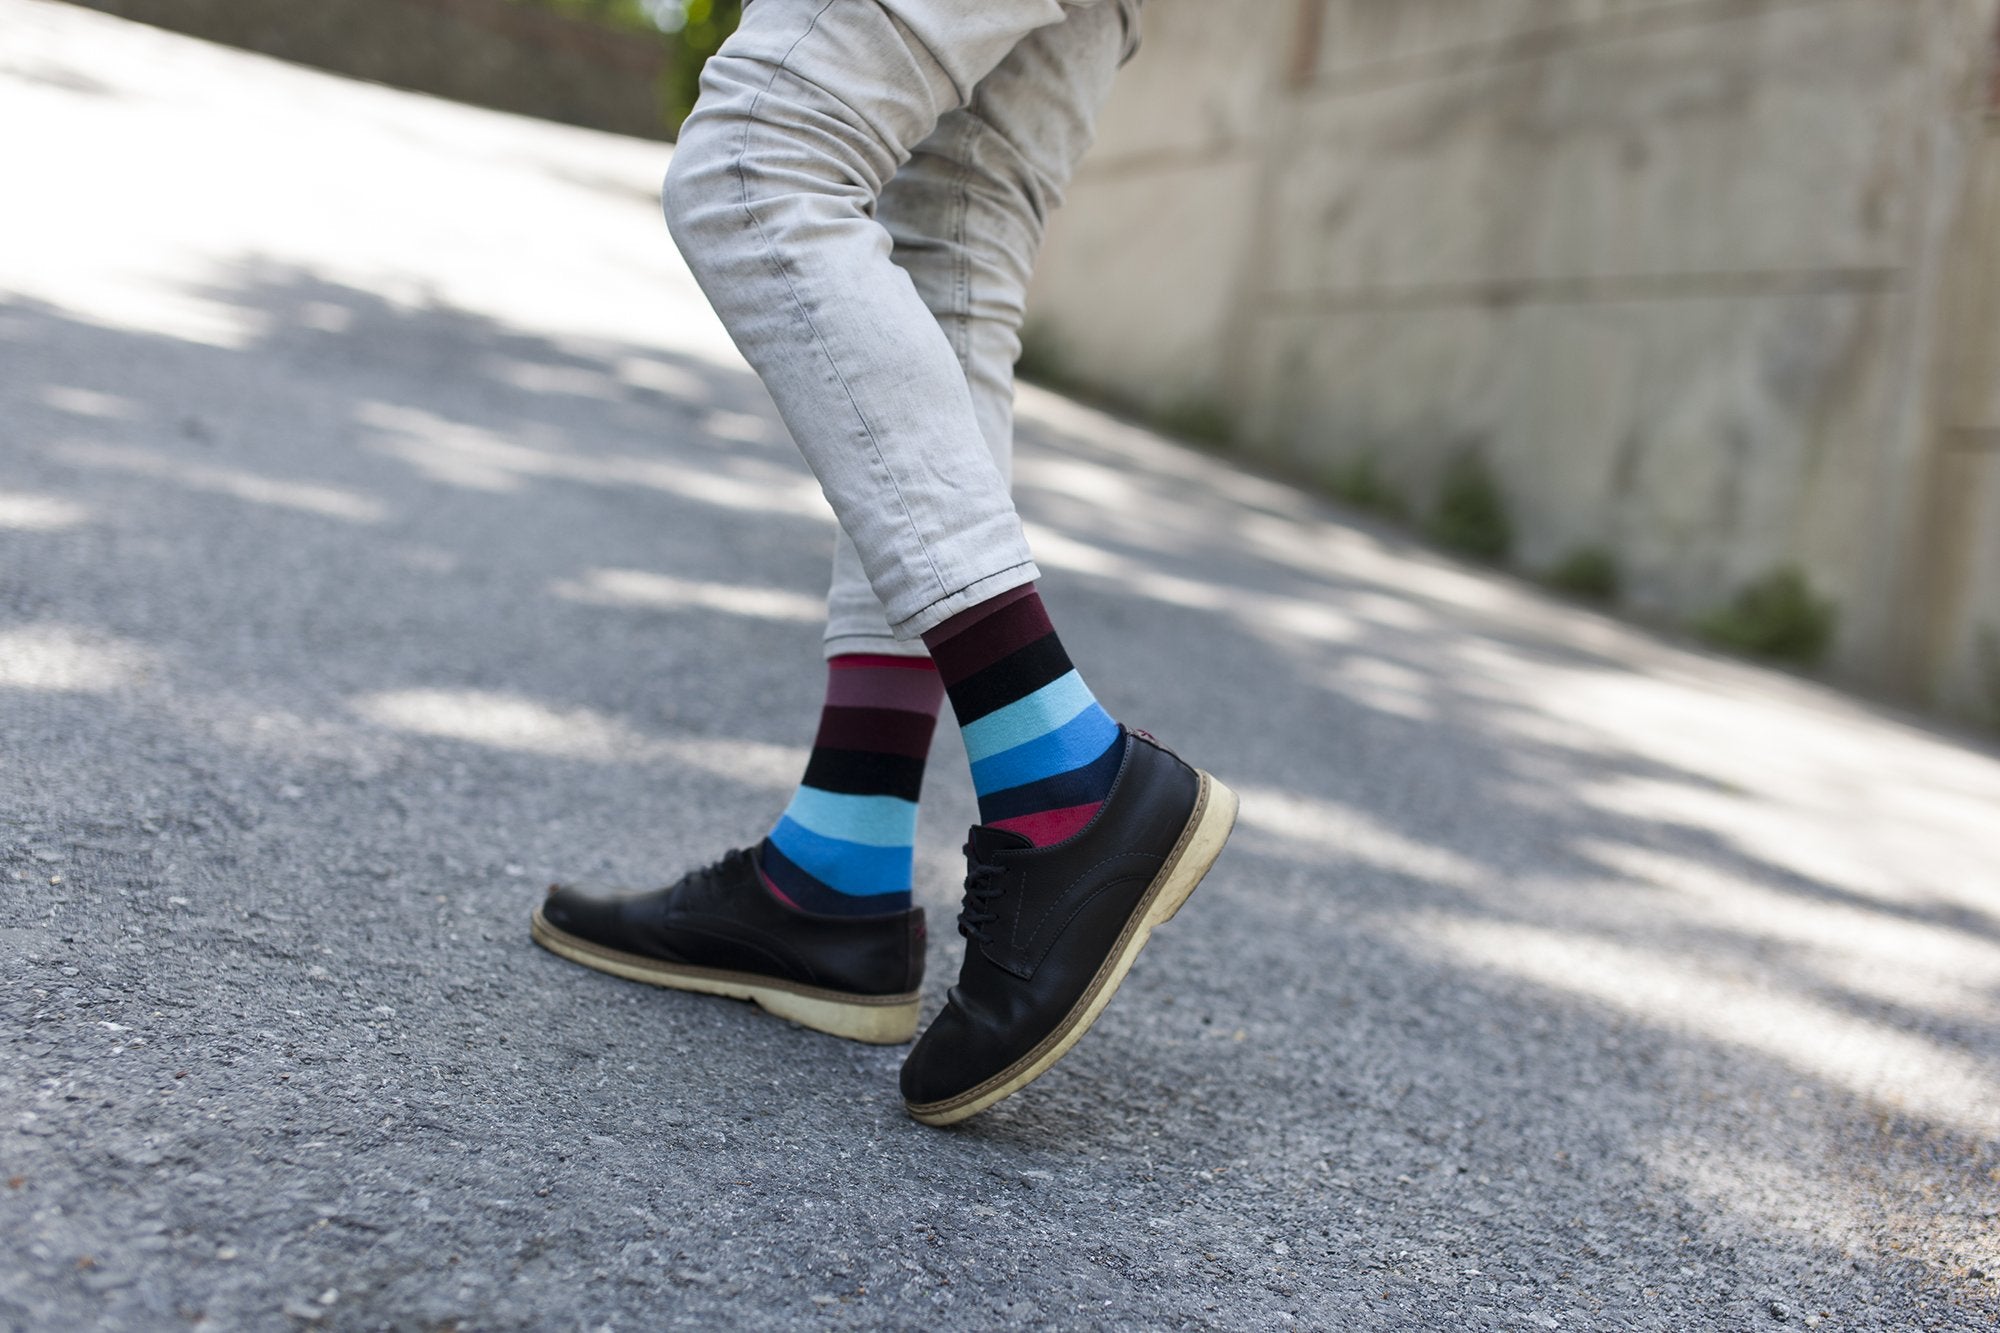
1471 517
704 25
1198 420
1044 360
633 15
1777 617
1590 572
692 31
1989 669
1360 485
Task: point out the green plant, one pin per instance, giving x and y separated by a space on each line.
1197 419
1360 485
1471 516
699 28
691 30
1989 671
1044 359
1587 571
1777 617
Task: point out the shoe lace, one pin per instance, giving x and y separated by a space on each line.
702 882
982 887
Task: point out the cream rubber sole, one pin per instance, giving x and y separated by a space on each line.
886 1020
1200 843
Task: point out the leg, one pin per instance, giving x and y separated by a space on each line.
804 118
805 115
773 197
1093 835
966 215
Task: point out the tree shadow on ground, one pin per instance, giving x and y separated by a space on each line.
1504 1000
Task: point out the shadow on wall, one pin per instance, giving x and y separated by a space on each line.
1607 877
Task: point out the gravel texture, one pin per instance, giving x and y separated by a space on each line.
386 529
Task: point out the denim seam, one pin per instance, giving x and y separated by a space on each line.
1024 564
826 352
962 251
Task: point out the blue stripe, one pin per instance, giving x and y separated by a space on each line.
812 896
849 867
1073 745
1037 714
1079 786
873 821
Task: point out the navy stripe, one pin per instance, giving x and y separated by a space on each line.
1079 786
866 773
809 895
791 880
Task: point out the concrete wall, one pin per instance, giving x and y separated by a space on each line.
1705 282
1955 584
487 52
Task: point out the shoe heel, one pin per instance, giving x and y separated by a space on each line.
888 1024
890 1020
1213 822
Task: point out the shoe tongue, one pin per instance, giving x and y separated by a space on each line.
985 840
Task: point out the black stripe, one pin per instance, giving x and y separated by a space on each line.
1079 786
865 773
1015 676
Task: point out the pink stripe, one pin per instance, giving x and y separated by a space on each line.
777 892
862 661
1045 828
885 687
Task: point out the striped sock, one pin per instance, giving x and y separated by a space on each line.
842 847
1043 751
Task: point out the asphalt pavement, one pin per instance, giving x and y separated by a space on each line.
387 529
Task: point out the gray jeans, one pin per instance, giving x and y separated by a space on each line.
861 191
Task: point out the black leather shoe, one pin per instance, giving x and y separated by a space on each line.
721 932
1051 931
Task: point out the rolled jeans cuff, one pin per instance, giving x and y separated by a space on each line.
858 632
971 595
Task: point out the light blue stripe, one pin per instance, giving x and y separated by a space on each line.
873 821
1075 744
1030 716
848 867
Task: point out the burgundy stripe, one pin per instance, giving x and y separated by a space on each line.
953 626
885 687
880 730
865 661
979 646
